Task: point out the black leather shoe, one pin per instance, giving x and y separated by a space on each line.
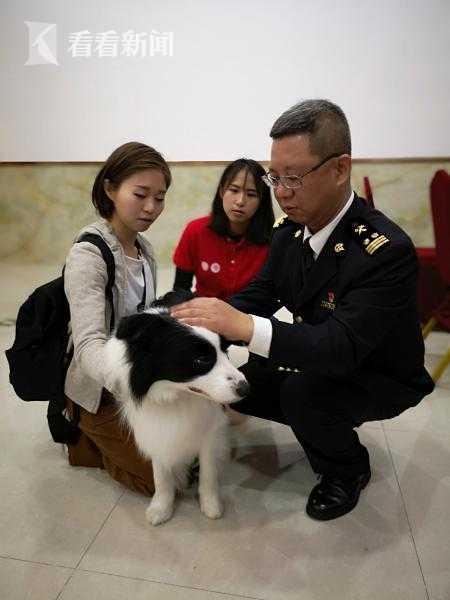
334 497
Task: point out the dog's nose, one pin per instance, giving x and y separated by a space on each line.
243 389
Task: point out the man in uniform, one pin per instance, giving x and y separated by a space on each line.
354 352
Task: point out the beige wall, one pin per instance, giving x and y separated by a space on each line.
42 206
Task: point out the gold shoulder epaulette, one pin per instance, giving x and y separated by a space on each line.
279 221
369 238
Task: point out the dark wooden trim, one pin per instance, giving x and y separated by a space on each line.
209 163
412 159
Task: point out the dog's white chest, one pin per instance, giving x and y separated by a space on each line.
176 431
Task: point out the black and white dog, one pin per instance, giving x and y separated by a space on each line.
171 380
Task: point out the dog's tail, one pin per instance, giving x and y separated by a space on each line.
172 298
186 475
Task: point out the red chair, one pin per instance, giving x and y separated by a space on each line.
368 192
440 210
431 288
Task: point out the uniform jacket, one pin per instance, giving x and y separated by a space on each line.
85 279
355 315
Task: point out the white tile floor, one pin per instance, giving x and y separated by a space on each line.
73 533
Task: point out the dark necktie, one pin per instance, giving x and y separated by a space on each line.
307 258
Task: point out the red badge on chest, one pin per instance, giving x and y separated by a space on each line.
330 303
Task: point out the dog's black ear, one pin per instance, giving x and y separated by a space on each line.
131 326
173 298
143 334
127 327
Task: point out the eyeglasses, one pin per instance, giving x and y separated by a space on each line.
292 181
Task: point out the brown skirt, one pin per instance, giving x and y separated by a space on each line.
106 443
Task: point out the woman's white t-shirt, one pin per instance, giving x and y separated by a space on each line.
136 267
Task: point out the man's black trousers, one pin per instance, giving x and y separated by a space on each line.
322 412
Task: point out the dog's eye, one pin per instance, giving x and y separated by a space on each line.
201 362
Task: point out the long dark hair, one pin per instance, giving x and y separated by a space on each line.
260 227
124 162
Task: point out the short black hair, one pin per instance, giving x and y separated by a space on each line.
260 227
324 122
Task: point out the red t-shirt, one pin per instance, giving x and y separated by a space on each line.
221 266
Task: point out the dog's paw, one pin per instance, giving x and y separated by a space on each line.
158 513
212 507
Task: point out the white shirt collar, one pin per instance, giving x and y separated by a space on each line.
318 240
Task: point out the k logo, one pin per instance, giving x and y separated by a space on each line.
41 43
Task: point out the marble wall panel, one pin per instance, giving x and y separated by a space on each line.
42 206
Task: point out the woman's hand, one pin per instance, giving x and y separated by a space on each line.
217 316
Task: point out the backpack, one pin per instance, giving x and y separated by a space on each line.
42 349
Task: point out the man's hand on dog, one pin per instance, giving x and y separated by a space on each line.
216 315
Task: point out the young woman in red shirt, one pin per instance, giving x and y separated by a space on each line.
227 248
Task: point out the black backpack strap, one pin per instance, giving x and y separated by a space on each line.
108 257
61 429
